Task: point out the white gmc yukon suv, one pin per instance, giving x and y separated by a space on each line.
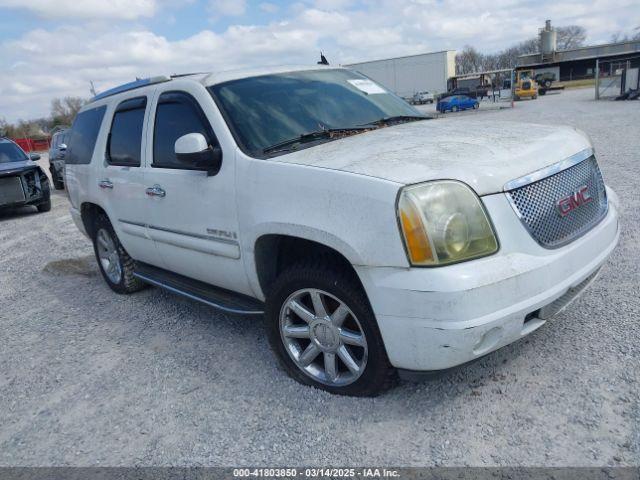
374 241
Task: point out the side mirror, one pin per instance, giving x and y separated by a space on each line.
193 148
34 156
62 147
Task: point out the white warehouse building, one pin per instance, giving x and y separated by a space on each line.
414 73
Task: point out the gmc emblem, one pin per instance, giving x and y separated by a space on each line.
574 200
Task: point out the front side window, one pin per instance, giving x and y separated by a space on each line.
177 114
267 110
125 140
10 152
83 135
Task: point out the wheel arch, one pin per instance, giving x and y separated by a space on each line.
89 212
275 252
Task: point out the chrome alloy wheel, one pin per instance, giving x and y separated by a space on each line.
108 255
323 337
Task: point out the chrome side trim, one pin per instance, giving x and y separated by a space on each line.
132 223
195 297
180 232
548 171
195 235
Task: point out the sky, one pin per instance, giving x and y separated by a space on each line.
54 48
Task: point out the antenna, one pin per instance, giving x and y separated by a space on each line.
323 60
92 88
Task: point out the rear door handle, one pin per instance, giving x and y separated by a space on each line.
105 184
156 191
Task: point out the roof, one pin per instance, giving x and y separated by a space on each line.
582 53
226 76
397 58
209 78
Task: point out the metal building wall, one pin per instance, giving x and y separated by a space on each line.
408 75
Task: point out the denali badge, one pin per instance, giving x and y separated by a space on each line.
574 200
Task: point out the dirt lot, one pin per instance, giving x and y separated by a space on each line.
88 377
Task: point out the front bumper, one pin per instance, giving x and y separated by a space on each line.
27 187
437 318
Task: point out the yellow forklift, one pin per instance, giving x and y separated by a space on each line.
525 85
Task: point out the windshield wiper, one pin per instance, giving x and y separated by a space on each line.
396 119
308 137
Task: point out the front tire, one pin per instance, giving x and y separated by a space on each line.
116 266
44 207
322 329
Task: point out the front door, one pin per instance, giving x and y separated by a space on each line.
193 219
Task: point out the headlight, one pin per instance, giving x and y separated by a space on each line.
444 222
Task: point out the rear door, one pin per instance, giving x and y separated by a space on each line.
121 180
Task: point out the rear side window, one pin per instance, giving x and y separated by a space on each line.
178 113
125 139
83 136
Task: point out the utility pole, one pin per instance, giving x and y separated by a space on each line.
597 79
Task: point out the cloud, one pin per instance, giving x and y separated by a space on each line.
268 7
227 8
47 63
88 9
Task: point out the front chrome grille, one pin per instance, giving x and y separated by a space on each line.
537 204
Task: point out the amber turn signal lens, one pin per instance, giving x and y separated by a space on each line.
415 235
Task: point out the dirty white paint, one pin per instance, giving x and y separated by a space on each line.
485 156
343 194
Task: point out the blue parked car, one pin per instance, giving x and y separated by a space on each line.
457 102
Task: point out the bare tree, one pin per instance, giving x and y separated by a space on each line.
6 129
571 36
64 110
625 37
469 60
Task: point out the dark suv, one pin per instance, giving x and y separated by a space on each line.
22 182
56 157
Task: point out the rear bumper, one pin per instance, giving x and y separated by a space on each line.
433 319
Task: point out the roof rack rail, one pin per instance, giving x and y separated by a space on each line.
143 82
180 75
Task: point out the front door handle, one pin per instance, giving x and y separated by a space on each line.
156 191
104 184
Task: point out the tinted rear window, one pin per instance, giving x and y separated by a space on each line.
84 134
125 140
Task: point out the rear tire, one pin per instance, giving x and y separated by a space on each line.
454 109
366 370
116 266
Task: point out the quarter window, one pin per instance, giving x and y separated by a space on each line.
125 140
83 136
178 114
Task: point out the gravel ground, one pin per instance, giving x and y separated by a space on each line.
88 377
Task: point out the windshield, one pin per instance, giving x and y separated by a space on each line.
267 110
10 152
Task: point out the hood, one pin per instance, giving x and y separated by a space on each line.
484 154
16 166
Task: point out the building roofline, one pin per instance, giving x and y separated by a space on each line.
396 58
589 47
